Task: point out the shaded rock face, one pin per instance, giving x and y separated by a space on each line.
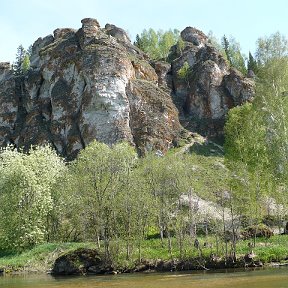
94 84
213 87
85 85
79 262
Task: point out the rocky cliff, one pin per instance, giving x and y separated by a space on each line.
94 84
212 87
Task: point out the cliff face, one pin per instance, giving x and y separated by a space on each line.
212 87
84 85
94 84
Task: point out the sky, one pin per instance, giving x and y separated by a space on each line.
23 22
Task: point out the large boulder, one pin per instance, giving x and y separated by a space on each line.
79 262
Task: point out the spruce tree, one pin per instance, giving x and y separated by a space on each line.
22 62
226 47
252 64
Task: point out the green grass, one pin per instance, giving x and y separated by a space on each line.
42 257
274 249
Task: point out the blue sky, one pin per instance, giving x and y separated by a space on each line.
22 22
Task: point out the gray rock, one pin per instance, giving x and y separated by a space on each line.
5 71
117 32
195 36
94 84
82 87
212 87
63 33
80 261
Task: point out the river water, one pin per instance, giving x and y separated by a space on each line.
265 278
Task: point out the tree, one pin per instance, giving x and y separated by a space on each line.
226 47
233 54
22 62
252 64
26 182
273 47
185 73
97 176
257 140
166 181
180 45
215 42
25 64
246 157
272 102
157 44
135 211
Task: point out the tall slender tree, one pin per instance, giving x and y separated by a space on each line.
20 55
252 64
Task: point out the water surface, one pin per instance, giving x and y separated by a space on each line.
265 278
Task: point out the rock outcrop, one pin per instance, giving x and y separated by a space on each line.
94 84
84 85
211 88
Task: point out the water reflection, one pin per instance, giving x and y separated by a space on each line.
264 278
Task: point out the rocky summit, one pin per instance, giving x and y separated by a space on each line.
92 83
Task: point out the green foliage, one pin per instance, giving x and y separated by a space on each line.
272 104
270 48
208 175
215 42
226 47
22 62
231 50
101 180
242 128
256 143
180 45
39 258
233 54
25 64
42 257
26 181
252 64
185 73
157 44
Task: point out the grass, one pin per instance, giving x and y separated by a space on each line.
274 249
42 257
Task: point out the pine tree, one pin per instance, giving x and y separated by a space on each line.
22 62
138 42
226 47
252 64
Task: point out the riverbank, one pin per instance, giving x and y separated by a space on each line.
155 257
